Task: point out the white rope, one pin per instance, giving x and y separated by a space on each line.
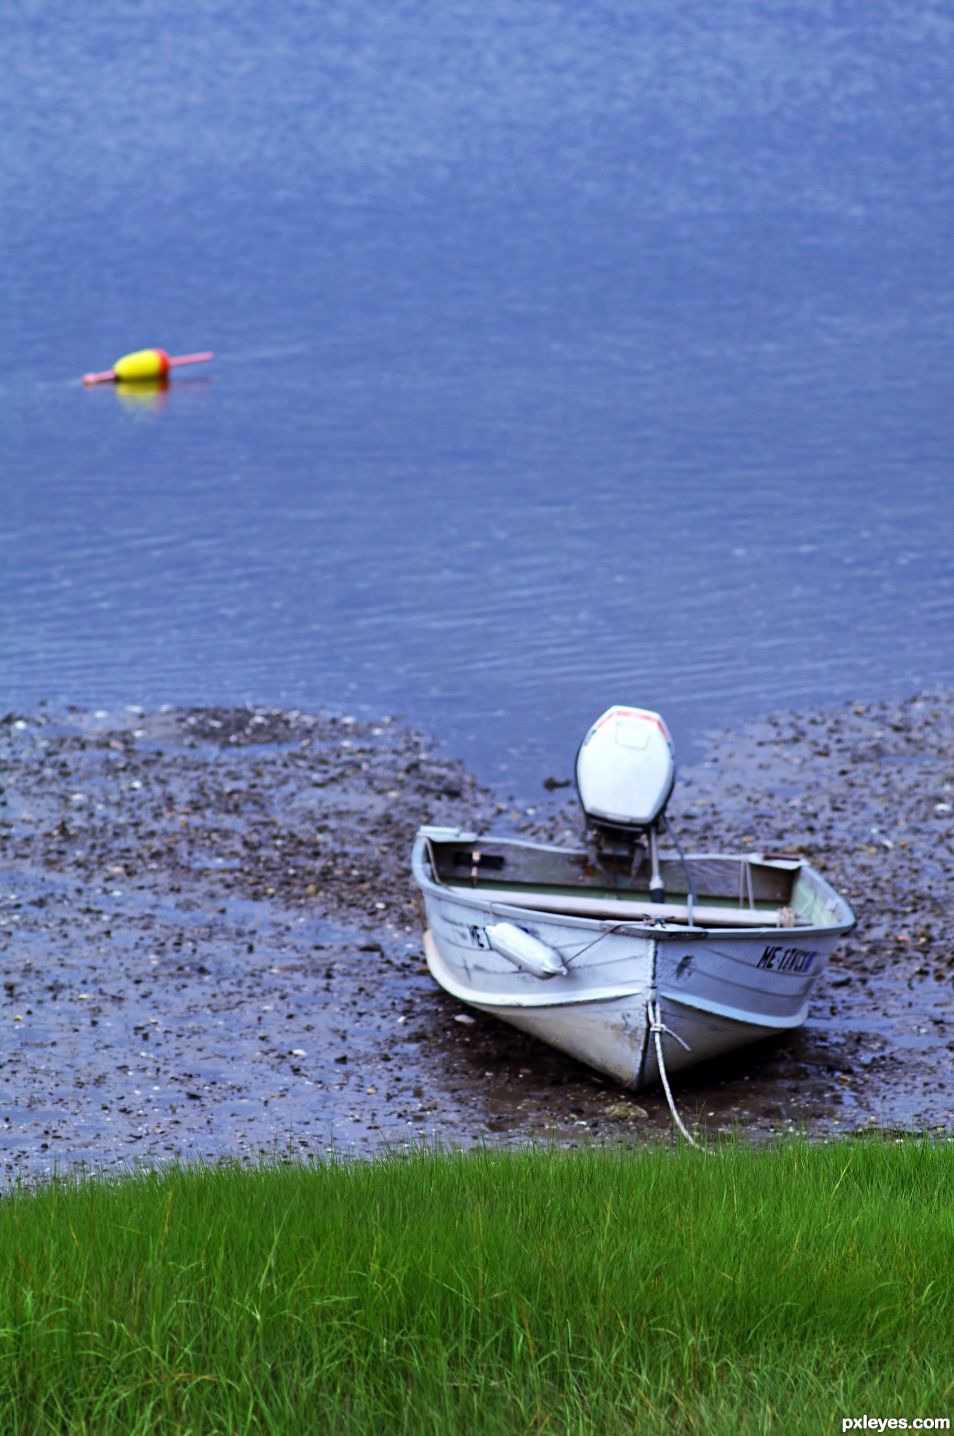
657 1027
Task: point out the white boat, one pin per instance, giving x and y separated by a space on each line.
616 952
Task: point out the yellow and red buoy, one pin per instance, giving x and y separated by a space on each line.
144 365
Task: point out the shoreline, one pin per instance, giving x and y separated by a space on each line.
213 945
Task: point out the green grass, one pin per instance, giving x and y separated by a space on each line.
537 1291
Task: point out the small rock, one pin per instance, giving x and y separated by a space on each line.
623 1111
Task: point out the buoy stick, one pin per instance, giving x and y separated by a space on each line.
104 378
191 359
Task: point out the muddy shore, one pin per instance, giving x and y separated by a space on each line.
212 946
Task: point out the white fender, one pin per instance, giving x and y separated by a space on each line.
526 951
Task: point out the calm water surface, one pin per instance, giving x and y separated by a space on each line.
566 354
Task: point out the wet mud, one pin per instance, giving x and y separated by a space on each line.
211 945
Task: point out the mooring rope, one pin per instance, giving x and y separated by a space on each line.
657 1027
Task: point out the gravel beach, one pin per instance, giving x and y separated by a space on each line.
212 945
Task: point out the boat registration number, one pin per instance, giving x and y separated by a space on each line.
786 959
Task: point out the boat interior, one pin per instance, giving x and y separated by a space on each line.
701 890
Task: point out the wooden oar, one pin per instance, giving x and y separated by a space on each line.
626 910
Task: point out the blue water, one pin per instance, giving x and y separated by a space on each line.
565 355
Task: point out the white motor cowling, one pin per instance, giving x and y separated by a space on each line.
625 769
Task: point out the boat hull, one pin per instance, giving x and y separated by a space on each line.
717 990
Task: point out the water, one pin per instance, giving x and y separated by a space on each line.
565 355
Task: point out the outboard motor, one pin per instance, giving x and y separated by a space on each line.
625 773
